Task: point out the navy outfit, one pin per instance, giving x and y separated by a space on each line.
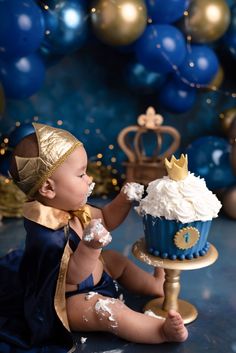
27 312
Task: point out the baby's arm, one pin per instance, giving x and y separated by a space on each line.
114 213
85 258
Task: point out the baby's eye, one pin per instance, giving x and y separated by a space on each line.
81 175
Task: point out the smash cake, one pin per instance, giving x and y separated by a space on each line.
177 213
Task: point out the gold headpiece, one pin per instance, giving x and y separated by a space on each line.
55 145
177 168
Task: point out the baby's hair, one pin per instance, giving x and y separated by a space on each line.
27 147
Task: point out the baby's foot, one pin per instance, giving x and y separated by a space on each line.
173 328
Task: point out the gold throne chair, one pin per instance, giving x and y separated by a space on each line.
143 167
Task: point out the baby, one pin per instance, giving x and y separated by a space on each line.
68 278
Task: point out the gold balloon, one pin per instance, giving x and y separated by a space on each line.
2 101
118 22
226 119
206 20
216 82
217 79
229 203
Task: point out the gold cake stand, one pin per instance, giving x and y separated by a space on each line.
173 268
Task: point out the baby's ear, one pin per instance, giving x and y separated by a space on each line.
48 189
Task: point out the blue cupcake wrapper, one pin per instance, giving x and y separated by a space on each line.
159 236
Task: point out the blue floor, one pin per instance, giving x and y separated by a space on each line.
212 290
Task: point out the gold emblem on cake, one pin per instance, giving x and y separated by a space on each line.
186 238
177 168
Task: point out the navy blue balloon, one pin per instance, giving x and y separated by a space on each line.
229 38
200 65
66 27
19 133
142 80
5 161
23 77
160 48
21 27
176 96
166 11
209 158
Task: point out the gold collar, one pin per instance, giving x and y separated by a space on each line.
54 218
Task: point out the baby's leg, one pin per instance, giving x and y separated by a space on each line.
99 313
133 277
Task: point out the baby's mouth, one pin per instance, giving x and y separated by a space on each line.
90 190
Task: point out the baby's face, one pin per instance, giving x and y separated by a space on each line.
72 182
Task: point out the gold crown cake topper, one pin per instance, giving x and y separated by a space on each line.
54 145
177 169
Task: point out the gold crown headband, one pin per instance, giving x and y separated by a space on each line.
55 145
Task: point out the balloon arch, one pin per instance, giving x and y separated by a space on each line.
174 55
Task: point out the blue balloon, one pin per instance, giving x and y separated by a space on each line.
166 11
21 28
161 48
66 27
142 80
23 77
5 161
176 96
19 133
200 65
229 38
209 158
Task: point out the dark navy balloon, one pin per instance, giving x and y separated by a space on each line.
142 80
19 133
229 38
21 27
176 96
200 65
209 158
66 26
166 11
23 77
160 48
5 161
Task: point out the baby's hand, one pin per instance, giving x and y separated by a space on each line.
95 234
133 191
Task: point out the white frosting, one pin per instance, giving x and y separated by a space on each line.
89 295
83 339
103 305
96 228
91 187
186 200
105 239
133 191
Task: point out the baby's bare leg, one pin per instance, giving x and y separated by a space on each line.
99 313
133 277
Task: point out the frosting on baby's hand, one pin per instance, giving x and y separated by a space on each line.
96 235
133 191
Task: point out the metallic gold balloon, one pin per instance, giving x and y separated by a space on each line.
2 101
218 78
229 202
226 119
206 20
216 82
118 22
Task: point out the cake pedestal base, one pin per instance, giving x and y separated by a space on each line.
173 268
